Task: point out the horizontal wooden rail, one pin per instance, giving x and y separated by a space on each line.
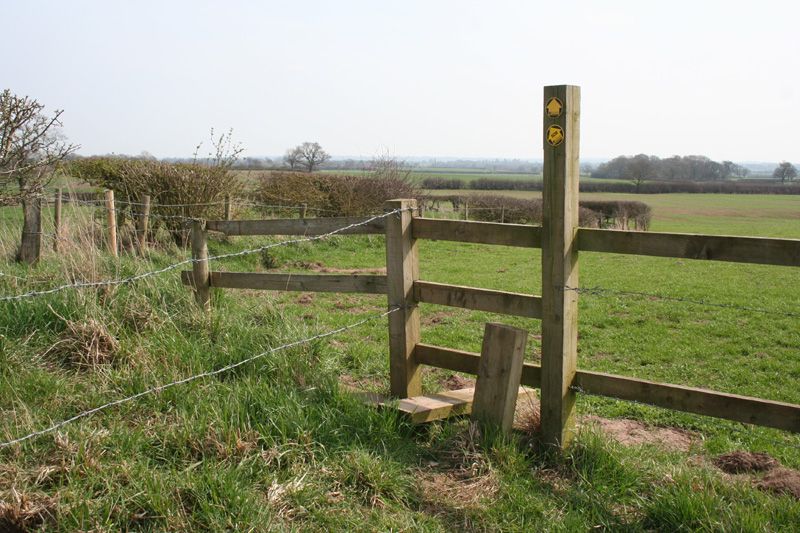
297 226
477 232
745 409
760 250
766 251
294 282
507 303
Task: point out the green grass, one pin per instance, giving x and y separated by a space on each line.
277 445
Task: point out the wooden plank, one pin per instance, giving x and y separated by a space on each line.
297 226
757 411
477 232
430 407
402 270
200 277
785 252
560 263
499 373
767 413
507 303
468 362
367 284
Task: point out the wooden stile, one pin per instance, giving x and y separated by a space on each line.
402 270
499 373
560 266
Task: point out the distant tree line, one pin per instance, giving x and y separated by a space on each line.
642 167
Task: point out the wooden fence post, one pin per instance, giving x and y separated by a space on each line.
560 262
228 205
303 209
111 217
402 269
30 248
57 220
499 375
466 210
202 292
142 224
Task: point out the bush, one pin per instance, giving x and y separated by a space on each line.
333 194
177 191
592 214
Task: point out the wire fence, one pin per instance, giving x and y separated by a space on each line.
173 266
189 379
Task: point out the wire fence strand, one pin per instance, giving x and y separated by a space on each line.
194 377
191 260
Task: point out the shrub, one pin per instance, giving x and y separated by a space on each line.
333 194
592 214
178 191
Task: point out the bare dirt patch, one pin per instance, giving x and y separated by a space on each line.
305 298
635 433
436 318
455 382
781 481
740 462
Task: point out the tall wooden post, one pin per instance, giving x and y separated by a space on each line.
57 220
111 217
560 262
30 248
202 292
228 205
466 209
402 269
303 209
142 224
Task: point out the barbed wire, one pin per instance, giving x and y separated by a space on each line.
599 291
195 377
191 260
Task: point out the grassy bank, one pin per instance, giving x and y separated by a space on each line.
279 444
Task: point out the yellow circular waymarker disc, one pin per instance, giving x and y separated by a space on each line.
555 135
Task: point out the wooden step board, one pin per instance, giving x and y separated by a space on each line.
429 407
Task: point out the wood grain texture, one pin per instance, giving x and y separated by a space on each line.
402 270
499 373
746 409
560 268
477 232
111 219
367 284
766 251
143 224
200 278
507 303
297 226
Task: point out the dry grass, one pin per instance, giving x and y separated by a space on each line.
85 345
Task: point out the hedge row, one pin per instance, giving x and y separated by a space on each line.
650 187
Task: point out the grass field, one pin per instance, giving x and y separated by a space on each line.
278 444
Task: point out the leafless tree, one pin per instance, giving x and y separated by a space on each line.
785 171
30 149
639 169
311 155
292 157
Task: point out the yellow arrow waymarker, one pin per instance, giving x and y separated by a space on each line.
555 135
554 107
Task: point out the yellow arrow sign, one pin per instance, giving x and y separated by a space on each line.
555 135
554 107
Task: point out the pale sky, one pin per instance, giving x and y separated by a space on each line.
425 78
